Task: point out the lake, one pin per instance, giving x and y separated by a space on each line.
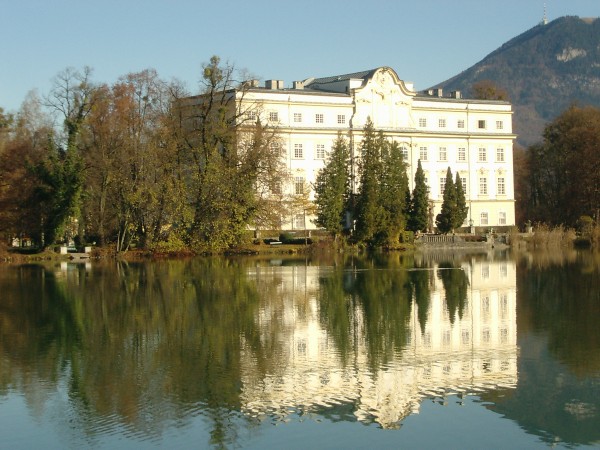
431 350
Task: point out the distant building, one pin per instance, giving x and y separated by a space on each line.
472 137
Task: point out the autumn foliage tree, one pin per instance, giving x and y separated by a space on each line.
564 169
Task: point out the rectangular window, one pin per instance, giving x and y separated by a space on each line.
273 116
443 154
422 122
404 151
299 219
481 124
442 185
482 155
442 123
483 186
299 185
297 117
502 221
463 180
462 154
298 151
499 125
251 116
320 153
460 123
423 153
500 154
341 119
319 118
483 218
501 186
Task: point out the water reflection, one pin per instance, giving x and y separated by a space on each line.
135 351
464 341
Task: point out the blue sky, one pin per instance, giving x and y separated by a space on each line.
425 41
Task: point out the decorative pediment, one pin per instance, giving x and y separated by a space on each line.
385 99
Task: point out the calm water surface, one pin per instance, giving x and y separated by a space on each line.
423 351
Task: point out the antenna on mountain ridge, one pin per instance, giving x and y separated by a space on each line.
545 19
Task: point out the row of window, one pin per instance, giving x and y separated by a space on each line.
483 185
460 123
319 118
299 151
482 154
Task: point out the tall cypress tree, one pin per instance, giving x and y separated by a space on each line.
332 189
394 185
419 204
370 214
462 210
447 218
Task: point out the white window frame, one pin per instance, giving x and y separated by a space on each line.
422 122
501 185
404 152
483 187
320 151
442 185
502 221
482 154
298 151
443 154
499 125
273 116
484 218
297 117
341 119
319 118
462 154
423 153
441 123
500 154
460 123
299 185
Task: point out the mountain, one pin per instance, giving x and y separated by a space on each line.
544 71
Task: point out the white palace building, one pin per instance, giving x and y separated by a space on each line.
473 137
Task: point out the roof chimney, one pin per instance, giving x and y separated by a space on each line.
298 84
274 84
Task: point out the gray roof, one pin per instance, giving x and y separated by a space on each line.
349 76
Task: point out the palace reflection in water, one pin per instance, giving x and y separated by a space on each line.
216 350
463 339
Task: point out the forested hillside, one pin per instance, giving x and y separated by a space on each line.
544 71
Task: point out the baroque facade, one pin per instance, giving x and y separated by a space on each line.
472 137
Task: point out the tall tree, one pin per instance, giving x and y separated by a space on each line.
565 168
61 175
229 156
332 189
394 186
462 210
447 218
370 213
419 207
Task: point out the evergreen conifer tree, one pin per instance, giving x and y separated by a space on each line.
446 219
370 214
332 189
419 202
394 185
462 210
